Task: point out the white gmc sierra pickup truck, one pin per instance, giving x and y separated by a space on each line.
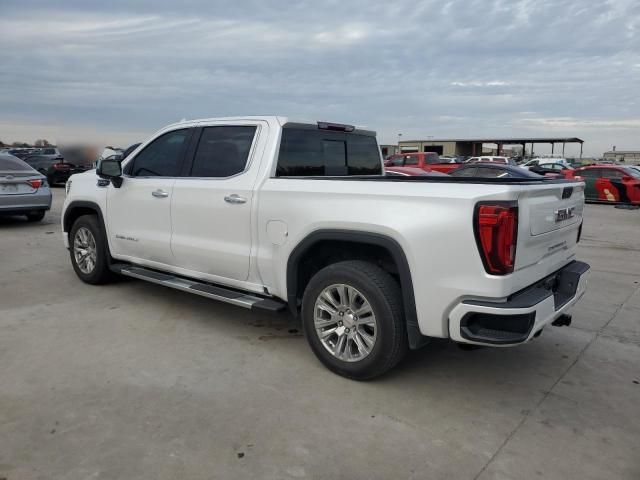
264 213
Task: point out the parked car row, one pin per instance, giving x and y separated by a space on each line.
610 183
27 152
55 168
607 183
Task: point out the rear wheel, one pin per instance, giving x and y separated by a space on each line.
35 216
89 251
353 319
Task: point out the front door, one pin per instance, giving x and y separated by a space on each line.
211 204
139 212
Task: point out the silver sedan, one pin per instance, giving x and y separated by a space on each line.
23 190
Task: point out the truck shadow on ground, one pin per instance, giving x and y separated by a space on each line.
537 364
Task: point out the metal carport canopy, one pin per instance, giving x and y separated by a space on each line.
503 141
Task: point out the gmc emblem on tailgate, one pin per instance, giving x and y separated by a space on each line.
565 213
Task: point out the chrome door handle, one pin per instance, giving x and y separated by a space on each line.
235 199
160 193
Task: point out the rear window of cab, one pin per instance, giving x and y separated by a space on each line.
314 152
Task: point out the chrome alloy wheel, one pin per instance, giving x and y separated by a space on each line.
345 322
84 250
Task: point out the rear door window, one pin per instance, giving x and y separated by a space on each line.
223 151
308 151
431 158
612 173
590 173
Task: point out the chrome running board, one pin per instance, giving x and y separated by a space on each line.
222 294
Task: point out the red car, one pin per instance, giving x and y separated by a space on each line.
427 161
610 183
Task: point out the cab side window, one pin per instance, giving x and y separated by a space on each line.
222 151
162 157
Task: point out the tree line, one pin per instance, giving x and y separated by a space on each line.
41 142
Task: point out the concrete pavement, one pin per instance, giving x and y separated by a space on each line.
133 380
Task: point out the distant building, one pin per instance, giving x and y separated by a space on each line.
476 146
623 156
388 150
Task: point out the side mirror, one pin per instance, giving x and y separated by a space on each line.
627 178
110 169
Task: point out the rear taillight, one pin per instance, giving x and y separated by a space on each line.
35 183
61 166
496 230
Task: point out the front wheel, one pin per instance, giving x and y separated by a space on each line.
353 319
89 251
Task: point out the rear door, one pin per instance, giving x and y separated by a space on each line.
212 203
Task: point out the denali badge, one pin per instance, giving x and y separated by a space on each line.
565 214
122 237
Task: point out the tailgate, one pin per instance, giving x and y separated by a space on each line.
550 215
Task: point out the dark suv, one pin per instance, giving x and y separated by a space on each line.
54 168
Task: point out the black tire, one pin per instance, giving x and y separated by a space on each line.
36 216
50 180
100 273
383 294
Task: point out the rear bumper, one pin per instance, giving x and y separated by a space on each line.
522 315
40 200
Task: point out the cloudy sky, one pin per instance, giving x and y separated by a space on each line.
116 71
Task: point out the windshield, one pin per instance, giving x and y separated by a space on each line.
9 163
632 171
